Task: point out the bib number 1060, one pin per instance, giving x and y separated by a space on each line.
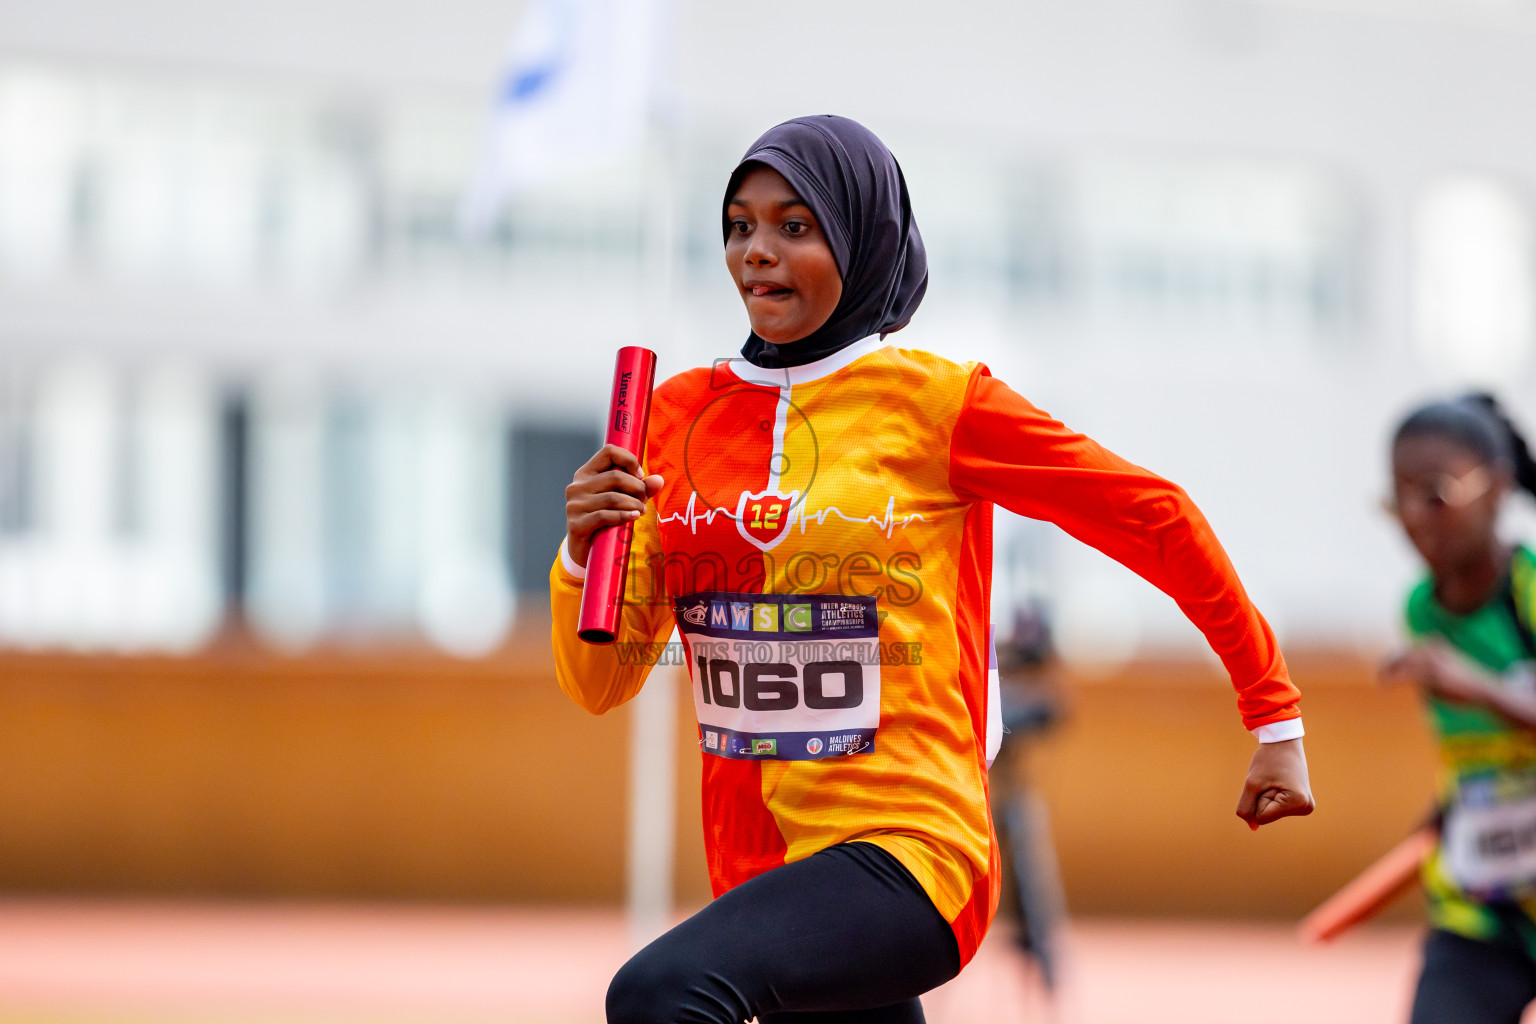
780 686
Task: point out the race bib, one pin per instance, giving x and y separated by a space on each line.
1489 836
789 677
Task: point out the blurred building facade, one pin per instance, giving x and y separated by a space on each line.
247 359
252 373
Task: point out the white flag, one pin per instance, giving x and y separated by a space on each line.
580 85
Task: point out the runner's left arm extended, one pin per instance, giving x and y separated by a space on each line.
1007 451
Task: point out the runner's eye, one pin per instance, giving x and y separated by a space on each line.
739 226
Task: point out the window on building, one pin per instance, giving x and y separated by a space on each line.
1474 297
543 459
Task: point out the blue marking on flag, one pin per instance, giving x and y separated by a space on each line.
528 82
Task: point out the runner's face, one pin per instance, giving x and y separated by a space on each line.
1447 499
780 259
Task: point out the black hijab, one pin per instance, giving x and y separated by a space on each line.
854 186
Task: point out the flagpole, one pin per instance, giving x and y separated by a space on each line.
652 825
586 81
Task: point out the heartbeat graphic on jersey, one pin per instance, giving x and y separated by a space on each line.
887 522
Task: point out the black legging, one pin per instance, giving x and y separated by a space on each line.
1467 981
845 935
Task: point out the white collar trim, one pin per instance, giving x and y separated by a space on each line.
790 376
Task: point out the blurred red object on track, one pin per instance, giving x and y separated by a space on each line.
1370 892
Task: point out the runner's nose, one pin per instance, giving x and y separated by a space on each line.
759 252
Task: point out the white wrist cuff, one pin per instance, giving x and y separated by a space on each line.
1279 732
569 563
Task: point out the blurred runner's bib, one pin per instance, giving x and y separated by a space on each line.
1489 835
789 677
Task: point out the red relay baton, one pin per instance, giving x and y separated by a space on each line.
634 371
1372 890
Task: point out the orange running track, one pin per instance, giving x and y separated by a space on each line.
190 963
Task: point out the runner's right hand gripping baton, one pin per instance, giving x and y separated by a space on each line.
629 410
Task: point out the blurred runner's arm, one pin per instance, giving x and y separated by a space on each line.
1441 671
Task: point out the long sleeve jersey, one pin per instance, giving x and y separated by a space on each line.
823 543
1487 764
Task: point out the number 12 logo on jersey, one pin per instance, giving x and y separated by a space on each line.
763 517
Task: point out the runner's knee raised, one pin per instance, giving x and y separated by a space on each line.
654 988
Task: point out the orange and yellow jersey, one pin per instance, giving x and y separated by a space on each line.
823 545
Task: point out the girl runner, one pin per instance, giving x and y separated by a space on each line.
1453 463
815 520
